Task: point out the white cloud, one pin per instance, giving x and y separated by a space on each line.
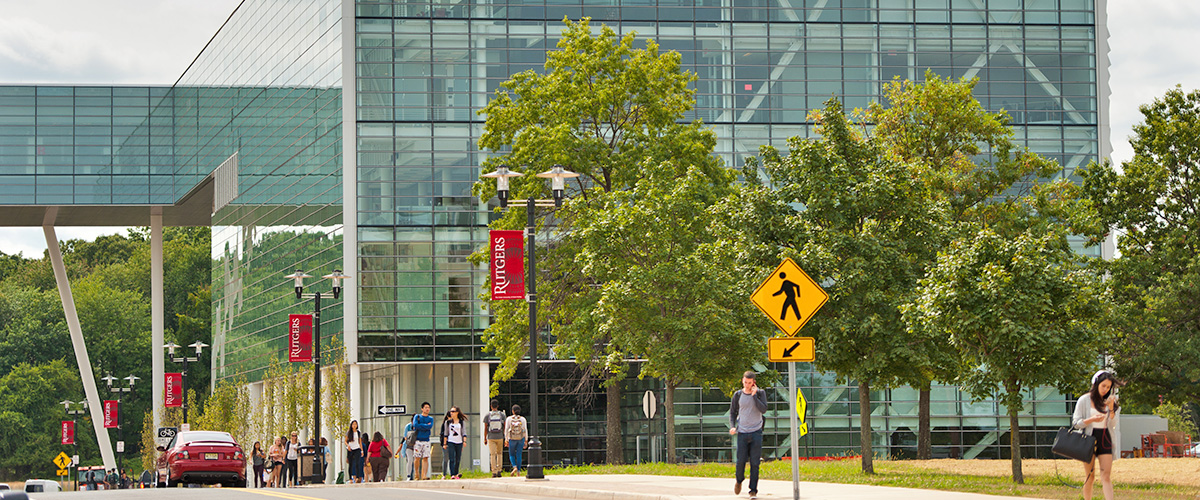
31 241
1153 48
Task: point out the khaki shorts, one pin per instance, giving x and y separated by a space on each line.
421 449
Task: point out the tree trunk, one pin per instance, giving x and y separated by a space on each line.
615 452
924 436
1014 444
864 421
669 407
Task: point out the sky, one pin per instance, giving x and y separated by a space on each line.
151 42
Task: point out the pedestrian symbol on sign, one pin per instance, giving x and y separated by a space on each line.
791 290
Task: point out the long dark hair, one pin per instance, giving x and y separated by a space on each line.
1097 398
257 447
351 436
462 417
377 437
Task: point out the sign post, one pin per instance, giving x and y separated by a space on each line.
790 298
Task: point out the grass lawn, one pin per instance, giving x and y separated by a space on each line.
1143 478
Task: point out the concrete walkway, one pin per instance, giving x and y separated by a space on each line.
638 487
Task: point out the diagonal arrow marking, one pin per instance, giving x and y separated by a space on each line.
787 353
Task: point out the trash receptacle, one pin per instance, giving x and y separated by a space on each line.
311 465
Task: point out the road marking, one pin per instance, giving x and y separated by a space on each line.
280 494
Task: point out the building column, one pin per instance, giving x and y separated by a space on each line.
485 405
156 314
81 355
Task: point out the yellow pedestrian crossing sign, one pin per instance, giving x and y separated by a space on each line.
789 297
801 407
62 460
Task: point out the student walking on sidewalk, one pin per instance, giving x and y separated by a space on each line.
453 432
746 411
515 432
493 437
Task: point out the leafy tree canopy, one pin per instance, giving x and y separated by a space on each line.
1154 203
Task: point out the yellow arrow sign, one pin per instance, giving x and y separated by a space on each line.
62 461
781 349
789 297
62 472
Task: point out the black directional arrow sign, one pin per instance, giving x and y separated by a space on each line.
386 410
787 353
791 349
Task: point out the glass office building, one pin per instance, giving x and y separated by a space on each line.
346 134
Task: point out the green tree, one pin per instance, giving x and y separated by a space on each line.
862 216
1153 204
30 418
603 108
1016 301
966 158
669 292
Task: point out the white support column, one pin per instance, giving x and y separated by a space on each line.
81 354
485 405
156 314
350 208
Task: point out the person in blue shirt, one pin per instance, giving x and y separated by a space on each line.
408 459
423 424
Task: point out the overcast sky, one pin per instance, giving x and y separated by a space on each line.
151 42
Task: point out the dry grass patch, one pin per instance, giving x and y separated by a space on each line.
1184 472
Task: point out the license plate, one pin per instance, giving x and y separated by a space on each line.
212 456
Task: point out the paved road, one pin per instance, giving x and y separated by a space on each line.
286 494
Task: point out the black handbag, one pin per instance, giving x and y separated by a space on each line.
1074 444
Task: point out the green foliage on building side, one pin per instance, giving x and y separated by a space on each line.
1153 204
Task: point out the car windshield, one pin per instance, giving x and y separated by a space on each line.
205 436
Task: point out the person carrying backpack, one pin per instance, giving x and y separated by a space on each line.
493 437
515 432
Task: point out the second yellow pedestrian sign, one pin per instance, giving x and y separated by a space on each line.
789 297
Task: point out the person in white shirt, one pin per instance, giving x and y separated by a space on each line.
453 428
1098 413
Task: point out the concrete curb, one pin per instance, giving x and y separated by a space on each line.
537 488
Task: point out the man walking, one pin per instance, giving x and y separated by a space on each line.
493 437
746 411
423 424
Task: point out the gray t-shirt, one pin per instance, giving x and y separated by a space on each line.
749 419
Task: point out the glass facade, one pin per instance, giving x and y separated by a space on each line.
63 145
351 127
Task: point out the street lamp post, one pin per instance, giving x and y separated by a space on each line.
109 379
198 346
74 414
298 278
558 176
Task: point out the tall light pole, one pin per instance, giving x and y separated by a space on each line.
74 414
198 346
109 379
298 280
558 176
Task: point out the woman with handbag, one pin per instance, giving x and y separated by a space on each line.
1098 413
379 453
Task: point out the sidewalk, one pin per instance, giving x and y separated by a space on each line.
637 487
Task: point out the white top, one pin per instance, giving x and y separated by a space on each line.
455 430
1085 410
294 451
353 445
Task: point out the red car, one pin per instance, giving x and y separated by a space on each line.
202 457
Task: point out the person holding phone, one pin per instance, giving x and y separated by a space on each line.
1098 413
746 411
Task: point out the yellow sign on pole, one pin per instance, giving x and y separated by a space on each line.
801 407
789 297
783 349
62 472
62 461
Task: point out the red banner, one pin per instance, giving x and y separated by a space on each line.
173 389
508 265
68 432
300 338
111 415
